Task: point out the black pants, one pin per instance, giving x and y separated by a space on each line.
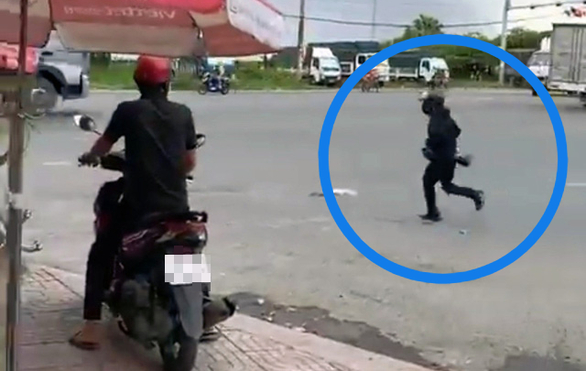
442 171
100 263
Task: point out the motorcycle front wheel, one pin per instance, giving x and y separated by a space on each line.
181 359
203 89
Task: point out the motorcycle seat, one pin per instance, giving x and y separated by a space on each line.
158 218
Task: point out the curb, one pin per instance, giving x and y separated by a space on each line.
349 356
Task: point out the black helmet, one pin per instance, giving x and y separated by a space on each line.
430 102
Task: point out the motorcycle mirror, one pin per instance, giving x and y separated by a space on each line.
85 122
200 140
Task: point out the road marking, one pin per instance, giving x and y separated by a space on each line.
576 185
57 163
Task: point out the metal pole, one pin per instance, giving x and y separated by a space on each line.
373 30
300 38
14 229
505 26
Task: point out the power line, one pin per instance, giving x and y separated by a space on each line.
405 25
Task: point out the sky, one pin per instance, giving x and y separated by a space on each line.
404 11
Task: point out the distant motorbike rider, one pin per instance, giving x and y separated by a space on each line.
441 149
160 150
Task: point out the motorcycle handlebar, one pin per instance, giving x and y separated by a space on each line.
115 161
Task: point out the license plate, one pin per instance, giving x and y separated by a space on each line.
187 269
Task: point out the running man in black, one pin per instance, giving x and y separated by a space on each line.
441 149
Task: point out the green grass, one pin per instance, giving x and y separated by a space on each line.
119 76
248 77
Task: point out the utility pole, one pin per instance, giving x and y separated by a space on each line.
373 30
14 228
504 29
300 38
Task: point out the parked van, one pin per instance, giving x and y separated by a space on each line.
62 72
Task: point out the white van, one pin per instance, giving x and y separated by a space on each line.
62 73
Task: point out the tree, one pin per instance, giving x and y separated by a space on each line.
422 26
426 25
522 38
478 35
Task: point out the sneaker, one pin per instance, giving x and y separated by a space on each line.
479 201
211 334
431 217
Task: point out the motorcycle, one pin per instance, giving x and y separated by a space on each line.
214 84
151 305
370 82
439 80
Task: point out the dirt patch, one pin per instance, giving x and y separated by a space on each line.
536 363
319 322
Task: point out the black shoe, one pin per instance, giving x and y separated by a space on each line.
479 200
437 217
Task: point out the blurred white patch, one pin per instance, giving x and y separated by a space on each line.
187 269
345 192
57 163
337 192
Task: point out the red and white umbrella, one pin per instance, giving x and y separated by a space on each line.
172 28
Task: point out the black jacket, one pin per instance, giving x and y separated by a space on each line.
442 134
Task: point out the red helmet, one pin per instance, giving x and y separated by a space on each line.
152 70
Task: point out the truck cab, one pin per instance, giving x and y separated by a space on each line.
324 67
539 63
62 73
382 70
429 67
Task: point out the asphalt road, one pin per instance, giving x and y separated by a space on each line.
270 239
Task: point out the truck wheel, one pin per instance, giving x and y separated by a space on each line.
50 96
533 92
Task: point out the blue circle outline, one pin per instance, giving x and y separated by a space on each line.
428 277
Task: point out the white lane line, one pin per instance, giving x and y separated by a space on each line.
576 185
57 163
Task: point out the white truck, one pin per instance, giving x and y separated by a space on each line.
540 62
417 66
568 57
62 73
321 66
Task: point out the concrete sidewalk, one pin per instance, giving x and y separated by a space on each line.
51 309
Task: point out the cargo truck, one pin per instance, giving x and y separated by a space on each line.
417 65
353 54
568 57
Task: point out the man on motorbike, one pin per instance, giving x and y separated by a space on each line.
160 143
441 149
